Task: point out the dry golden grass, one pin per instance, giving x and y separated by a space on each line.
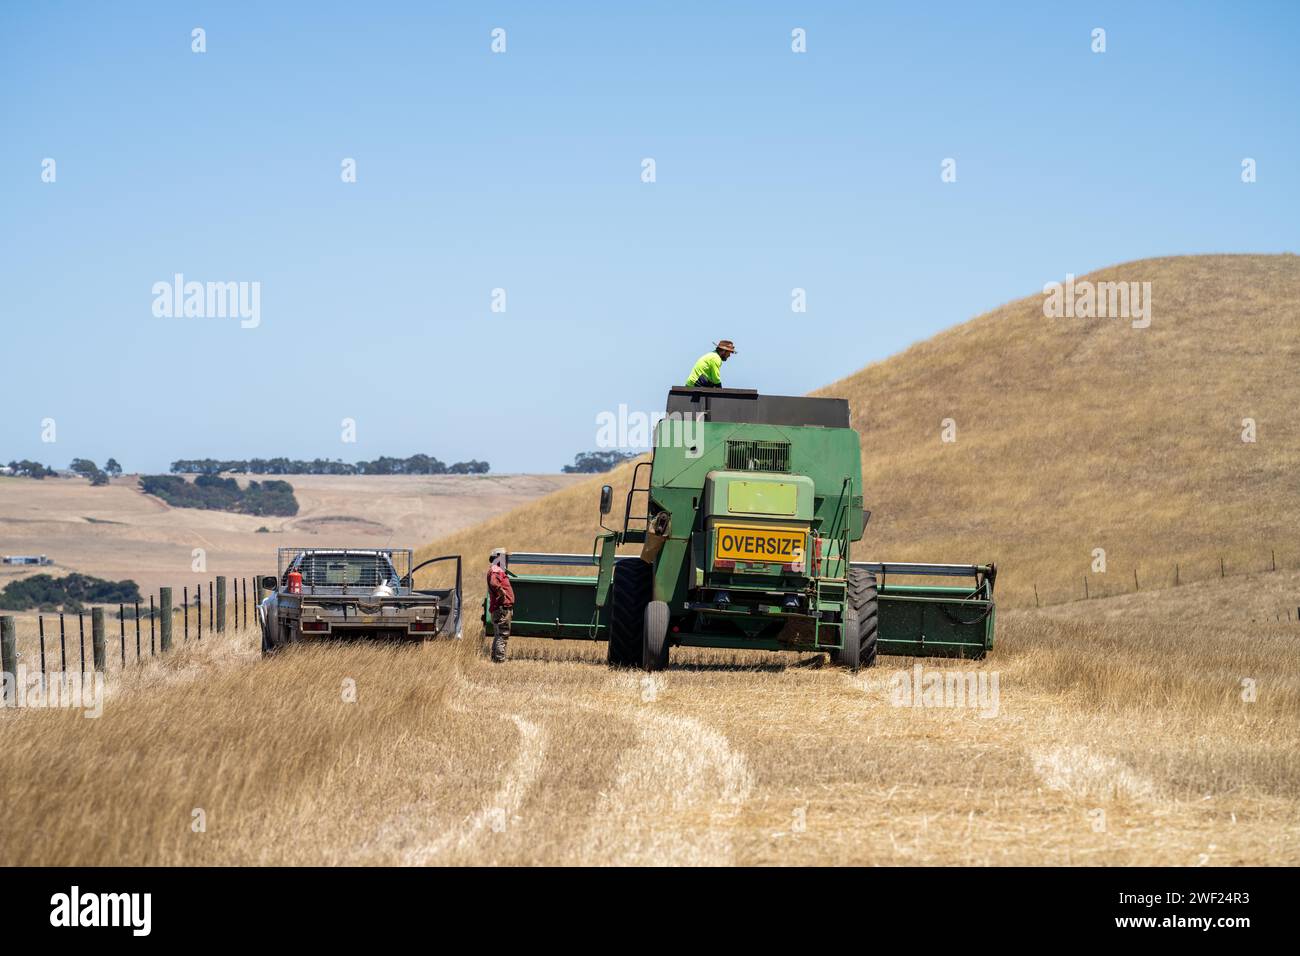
1154 728
1114 743
1075 434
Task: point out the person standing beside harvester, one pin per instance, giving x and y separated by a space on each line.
501 602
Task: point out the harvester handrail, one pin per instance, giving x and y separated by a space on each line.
558 558
628 517
936 570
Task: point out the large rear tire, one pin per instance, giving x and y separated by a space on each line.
631 592
654 646
864 598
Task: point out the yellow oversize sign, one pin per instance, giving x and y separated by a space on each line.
778 545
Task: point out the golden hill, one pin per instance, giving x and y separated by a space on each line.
1075 434
1072 434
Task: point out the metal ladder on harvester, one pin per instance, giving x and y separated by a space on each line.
835 590
826 589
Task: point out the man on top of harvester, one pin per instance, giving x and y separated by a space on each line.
707 372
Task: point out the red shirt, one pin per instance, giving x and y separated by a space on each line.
500 593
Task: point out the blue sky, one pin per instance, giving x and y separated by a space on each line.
522 171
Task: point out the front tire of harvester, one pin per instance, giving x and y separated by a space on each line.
654 647
850 655
631 592
864 597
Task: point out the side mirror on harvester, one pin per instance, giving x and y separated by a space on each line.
269 582
606 499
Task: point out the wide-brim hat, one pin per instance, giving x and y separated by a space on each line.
726 345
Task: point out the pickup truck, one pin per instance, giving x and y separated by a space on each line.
350 593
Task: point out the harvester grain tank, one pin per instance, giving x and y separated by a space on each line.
747 517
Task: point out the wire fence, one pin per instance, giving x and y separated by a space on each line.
59 641
144 633
1132 579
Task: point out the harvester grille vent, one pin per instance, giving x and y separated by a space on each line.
758 455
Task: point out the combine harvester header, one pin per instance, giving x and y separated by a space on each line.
747 516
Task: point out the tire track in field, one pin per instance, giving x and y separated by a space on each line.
675 793
675 796
1080 771
1075 770
496 813
501 808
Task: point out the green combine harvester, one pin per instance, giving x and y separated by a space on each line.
747 517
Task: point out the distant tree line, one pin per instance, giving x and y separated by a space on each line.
594 462
45 592
31 469
214 493
82 466
415 465
88 469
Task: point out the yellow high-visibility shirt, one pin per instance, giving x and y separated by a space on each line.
710 367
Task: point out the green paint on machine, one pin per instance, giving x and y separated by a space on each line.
778 498
747 536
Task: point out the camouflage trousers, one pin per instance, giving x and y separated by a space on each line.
501 619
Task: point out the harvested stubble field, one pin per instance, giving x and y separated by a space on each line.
1161 727
1113 742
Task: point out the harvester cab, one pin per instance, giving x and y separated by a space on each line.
746 516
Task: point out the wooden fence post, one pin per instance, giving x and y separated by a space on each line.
165 619
9 658
97 637
221 603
